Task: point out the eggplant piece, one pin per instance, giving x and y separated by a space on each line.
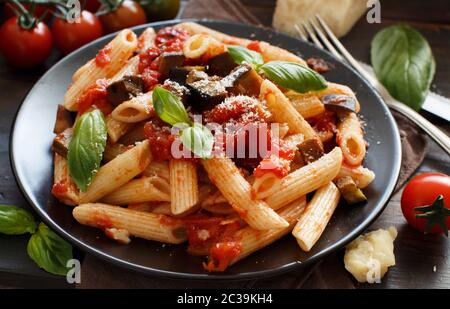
180 91
243 80
351 193
179 74
124 89
195 76
170 60
311 150
61 142
63 120
205 94
221 65
339 102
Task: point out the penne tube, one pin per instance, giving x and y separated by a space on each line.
350 139
137 223
158 168
316 216
307 105
216 203
146 40
162 209
118 51
113 150
252 240
183 185
362 176
307 179
116 129
199 45
227 178
265 186
118 172
64 189
141 190
268 51
283 111
136 109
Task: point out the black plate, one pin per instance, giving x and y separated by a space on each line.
32 164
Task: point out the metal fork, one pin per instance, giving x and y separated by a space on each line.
321 35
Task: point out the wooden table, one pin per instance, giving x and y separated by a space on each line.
416 254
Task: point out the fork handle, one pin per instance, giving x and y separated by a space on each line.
434 132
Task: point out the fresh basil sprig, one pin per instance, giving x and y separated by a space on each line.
86 148
47 249
198 139
287 74
169 107
294 76
194 136
403 62
244 55
16 221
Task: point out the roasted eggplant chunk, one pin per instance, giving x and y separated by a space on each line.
205 94
179 74
170 60
351 193
221 65
180 91
311 150
63 120
339 102
243 80
124 89
61 142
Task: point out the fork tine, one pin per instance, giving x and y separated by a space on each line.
312 35
324 39
300 32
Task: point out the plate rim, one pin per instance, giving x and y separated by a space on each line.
380 206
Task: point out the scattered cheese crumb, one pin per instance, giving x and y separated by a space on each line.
434 268
120 235
368 257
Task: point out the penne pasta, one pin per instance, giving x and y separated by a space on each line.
141 190
137 223
113 150
350 139
315 218
118 51
265 185
158 168
202 44
135 110
361 176
307 179
64 189
116 129
307 105
225 175
184 185
118 172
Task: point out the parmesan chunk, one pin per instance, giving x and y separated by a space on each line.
340 15
368 257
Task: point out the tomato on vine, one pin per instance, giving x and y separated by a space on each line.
116 15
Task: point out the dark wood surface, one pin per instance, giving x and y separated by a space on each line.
416 254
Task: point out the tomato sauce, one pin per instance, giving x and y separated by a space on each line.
222 254
255 46
160 139
95 96
59 189
324 122
103 56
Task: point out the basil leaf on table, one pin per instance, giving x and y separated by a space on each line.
16 221
169 107
198 139
403 62
242 55
294 76
49 251
86 148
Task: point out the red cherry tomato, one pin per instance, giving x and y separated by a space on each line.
25 48
92 5
128 14
70 36
423 190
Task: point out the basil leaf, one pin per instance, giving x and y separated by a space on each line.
198 139
404 63
86 148
242 55
49 251
294 76
169 107
16 221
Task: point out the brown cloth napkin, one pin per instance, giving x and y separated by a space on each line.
99 274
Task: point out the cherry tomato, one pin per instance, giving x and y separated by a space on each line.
423 190
160 9
129 14
92 5
39 10
70 36
25 48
